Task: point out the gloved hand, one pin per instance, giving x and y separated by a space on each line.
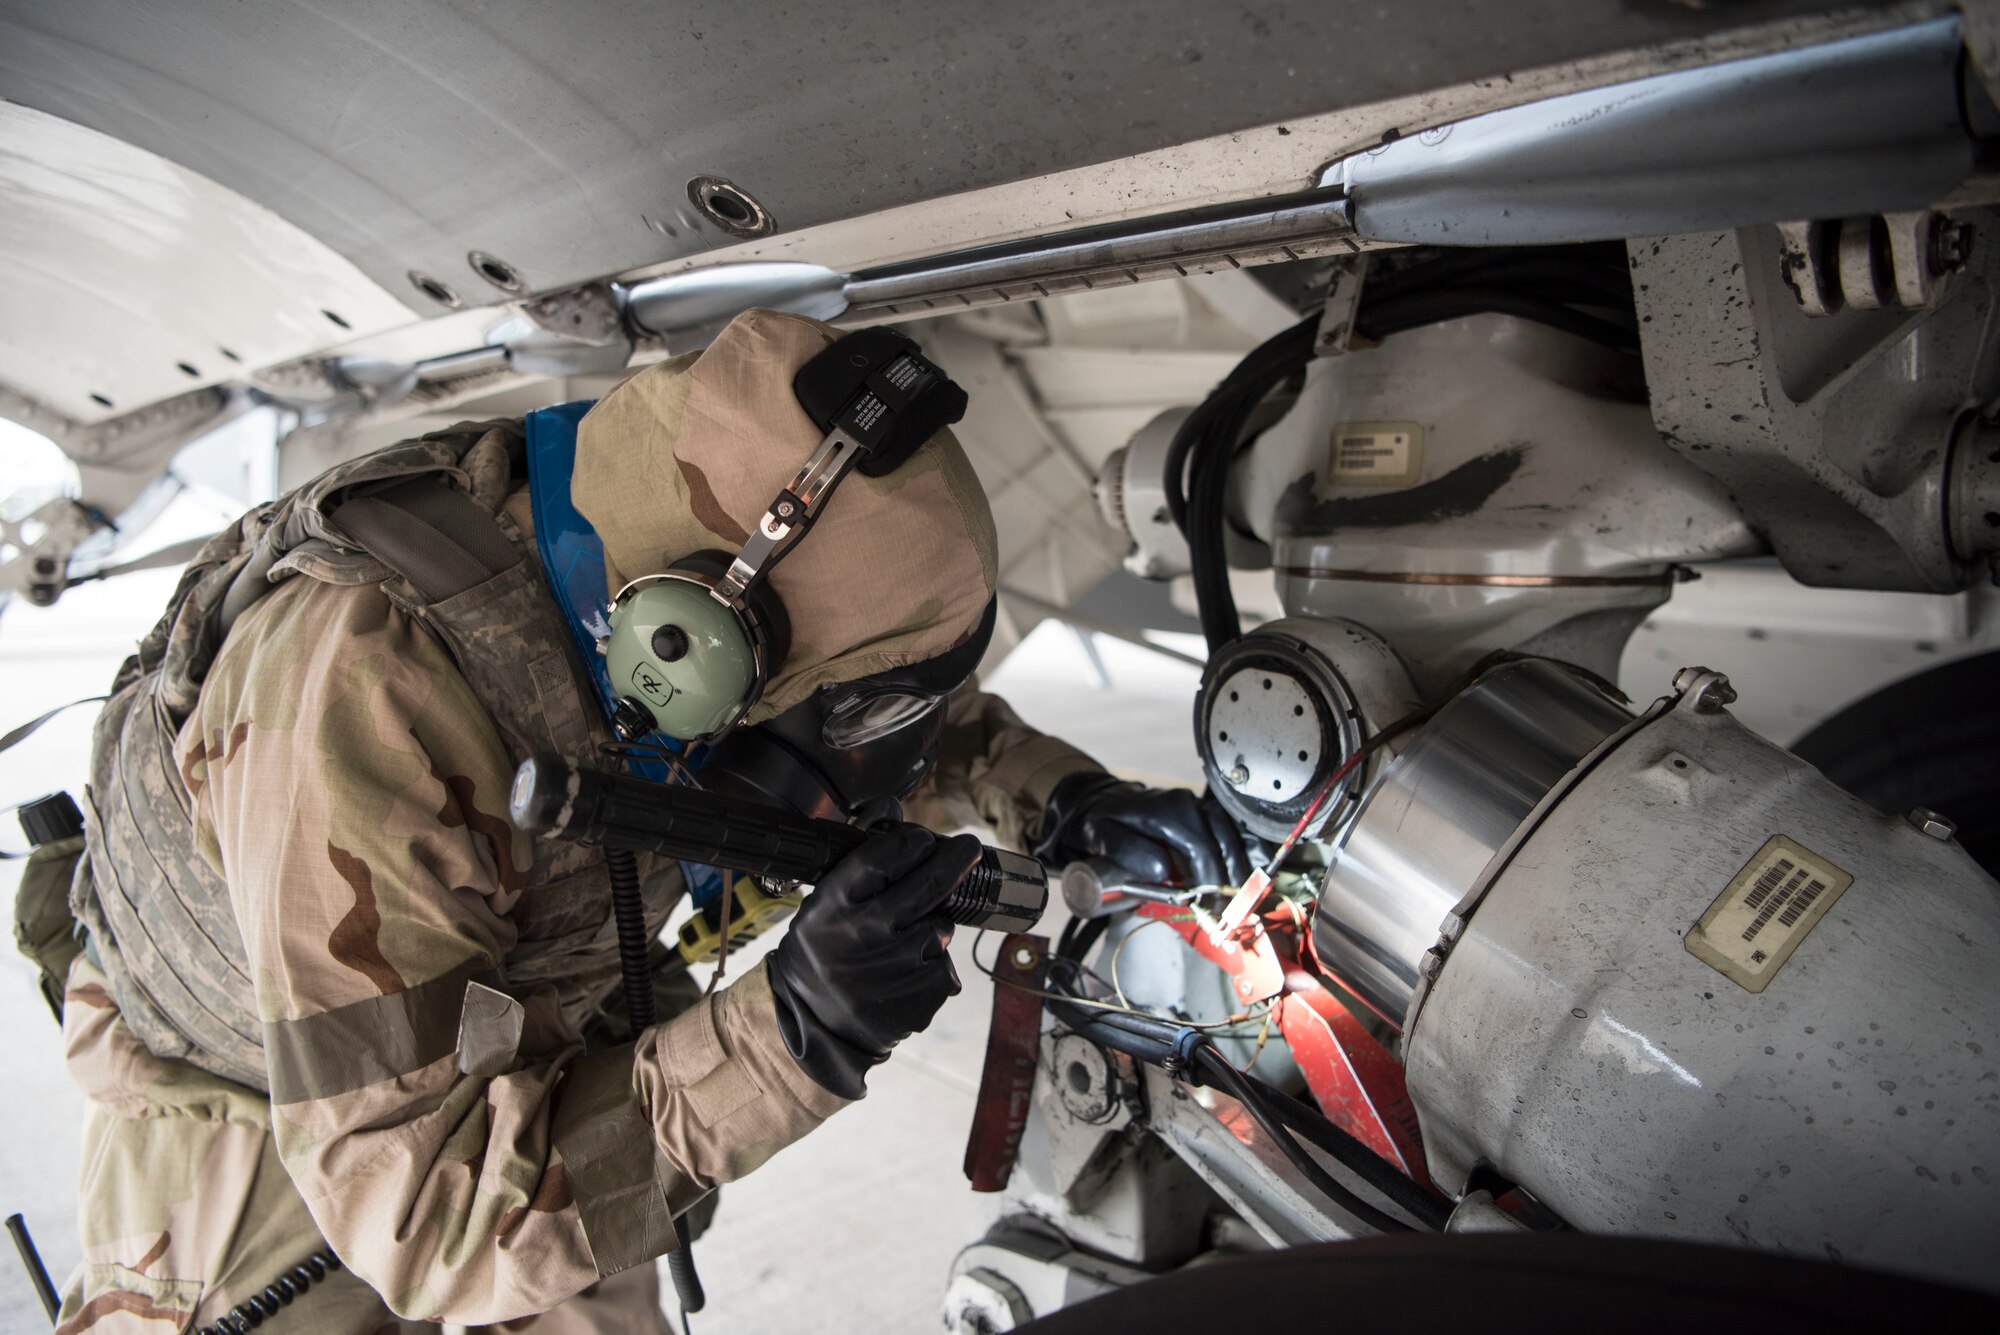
1161 836
863 964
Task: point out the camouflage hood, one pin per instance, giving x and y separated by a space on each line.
685 456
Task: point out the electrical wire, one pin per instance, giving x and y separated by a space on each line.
1118 951
628 912
1112 1008
1164 1043
1346 767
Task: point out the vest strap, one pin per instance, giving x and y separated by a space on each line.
440 540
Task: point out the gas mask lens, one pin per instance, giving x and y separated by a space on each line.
863 718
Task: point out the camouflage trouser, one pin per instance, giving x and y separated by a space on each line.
182 1219
185 1209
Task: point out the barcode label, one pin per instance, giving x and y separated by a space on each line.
1767 883
1779 888
1801 902
1374 454
1766 910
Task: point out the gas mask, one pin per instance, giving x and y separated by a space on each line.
851 749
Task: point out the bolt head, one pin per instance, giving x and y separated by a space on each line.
1932 823
1707 690
1238 776
1951 245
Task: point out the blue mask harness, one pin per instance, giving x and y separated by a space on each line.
573 560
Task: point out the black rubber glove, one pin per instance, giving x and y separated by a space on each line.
1161 836
863 965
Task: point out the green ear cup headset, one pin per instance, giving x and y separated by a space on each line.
692 648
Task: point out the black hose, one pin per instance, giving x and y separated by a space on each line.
1432 307
1078 936
1209 441
628 912
1155 1048
1232 1082
1604 262
1356 1157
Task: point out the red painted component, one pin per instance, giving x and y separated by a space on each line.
1248 956
1357 1083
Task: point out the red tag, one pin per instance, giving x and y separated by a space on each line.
1012 1048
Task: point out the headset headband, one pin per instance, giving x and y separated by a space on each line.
886 400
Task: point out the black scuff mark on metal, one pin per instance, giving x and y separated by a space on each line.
1463 491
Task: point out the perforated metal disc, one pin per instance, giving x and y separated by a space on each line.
1264 734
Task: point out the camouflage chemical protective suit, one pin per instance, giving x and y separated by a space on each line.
330 992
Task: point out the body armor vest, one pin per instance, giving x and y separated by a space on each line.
422 519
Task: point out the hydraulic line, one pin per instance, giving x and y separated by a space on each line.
1220 1073
1313 1125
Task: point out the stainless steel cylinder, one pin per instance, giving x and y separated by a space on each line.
1437 815
1713 998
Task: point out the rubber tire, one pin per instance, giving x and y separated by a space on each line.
1498 1283
1932 740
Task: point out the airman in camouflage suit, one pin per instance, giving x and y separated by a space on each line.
332 998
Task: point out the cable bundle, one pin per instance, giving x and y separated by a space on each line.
1585 291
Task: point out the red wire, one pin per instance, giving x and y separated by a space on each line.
1361 753
1326 790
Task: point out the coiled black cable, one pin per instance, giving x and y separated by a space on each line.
680 1265
628 912
253 1311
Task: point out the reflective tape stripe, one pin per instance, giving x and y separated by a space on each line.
369 1041
620 1181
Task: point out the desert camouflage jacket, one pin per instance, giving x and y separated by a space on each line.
420 972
